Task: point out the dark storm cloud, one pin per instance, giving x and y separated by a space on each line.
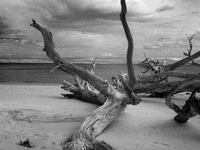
88 27
86 14
195 13
81 12
165 7
6 32
3 26
71 11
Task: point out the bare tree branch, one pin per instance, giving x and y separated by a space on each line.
190 50
98 83
129 56
184 61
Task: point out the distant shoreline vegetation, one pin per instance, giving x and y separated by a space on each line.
82 60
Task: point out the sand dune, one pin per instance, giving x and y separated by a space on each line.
40 113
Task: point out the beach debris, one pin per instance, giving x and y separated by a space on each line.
160 82
152 65
26 143
82 89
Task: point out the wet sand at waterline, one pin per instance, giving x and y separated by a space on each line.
40 113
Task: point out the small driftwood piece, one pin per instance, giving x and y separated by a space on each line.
190 109
116 101
26 143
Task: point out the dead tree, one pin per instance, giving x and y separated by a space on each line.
156 84
165 71
112 99
189 82
116 101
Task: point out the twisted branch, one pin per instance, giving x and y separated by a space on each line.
129 55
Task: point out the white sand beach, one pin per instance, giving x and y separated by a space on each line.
40 113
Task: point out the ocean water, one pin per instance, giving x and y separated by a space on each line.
40 72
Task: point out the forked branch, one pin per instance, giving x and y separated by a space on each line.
189 53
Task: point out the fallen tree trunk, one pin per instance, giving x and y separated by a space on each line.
161 71
184 114
161 89
191 107
158 77
160 82
115 103
164 88
182 62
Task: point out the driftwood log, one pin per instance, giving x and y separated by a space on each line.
159 85
115 100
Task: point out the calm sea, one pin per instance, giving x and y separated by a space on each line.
40 72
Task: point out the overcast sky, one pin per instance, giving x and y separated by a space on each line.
90 28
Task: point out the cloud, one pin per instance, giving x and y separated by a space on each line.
3 26
71 12
58 13
87 44
195 12
165 7
68 13
68 10
6 32
92 27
